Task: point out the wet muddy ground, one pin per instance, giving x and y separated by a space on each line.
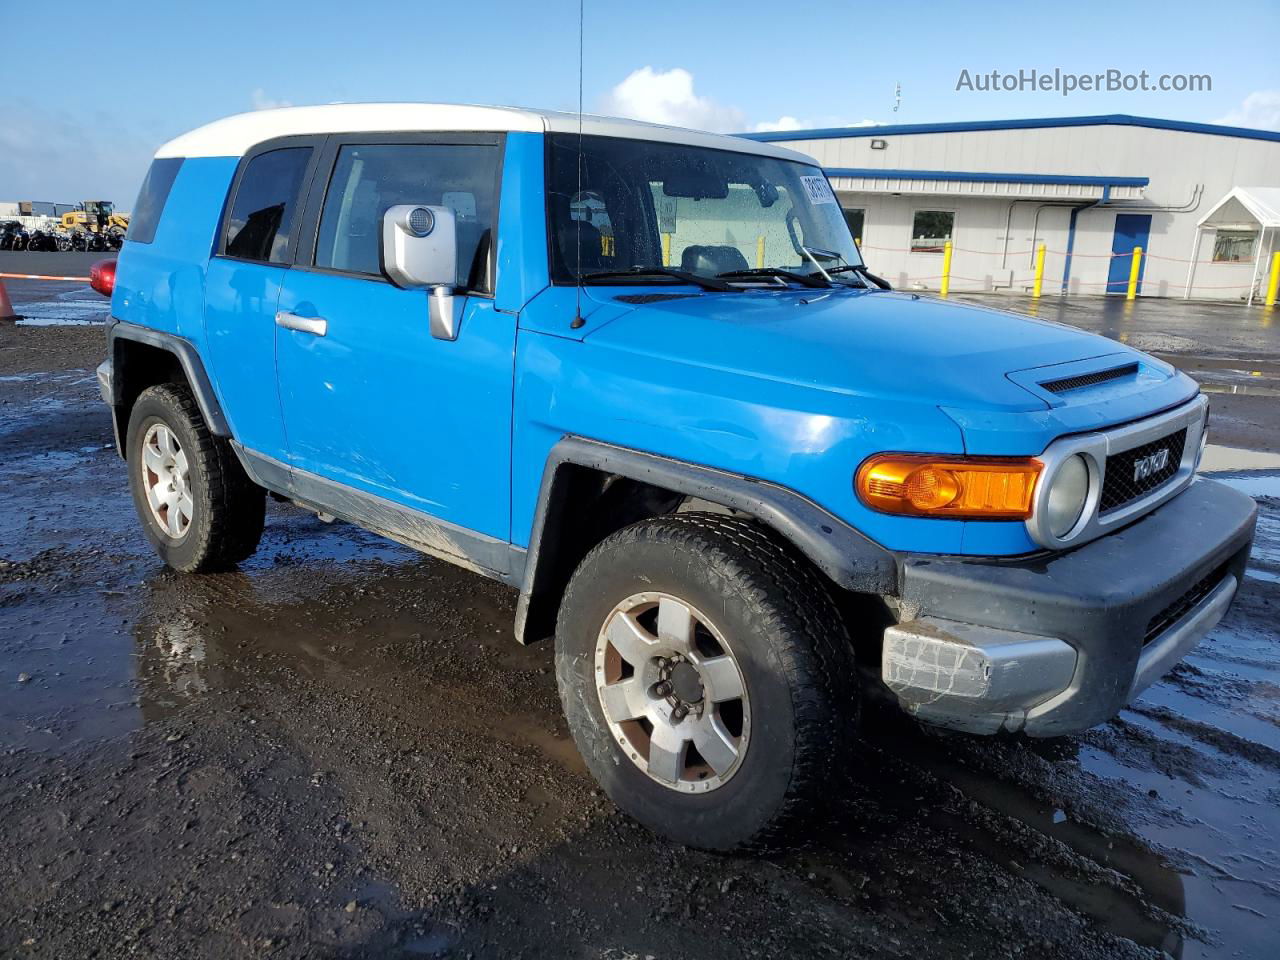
339 751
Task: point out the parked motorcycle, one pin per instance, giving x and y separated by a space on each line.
40 241
13 236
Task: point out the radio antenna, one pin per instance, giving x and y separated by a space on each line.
578 321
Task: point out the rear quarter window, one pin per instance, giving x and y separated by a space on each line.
260 224
151 199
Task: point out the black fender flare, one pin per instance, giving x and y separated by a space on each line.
188 358
847 557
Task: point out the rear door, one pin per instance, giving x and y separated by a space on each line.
371 400
254 246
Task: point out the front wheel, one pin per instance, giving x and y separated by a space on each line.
707 678
198 507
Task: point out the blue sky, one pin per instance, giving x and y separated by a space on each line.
116 80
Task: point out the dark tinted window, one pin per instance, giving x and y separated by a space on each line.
266 202
155 191
369 179
857 221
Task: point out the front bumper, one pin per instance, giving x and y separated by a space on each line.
1054 645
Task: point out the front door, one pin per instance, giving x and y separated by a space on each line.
1132 230
372 402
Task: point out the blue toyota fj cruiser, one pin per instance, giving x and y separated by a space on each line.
642 375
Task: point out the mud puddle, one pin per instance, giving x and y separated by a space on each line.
73 307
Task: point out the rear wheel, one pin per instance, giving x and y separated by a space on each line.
707 678
198 507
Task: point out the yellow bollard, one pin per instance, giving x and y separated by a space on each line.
666 249
857 242
1133 274
1274 283
1039 281
760 252
946 269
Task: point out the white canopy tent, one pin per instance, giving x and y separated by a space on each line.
1244 208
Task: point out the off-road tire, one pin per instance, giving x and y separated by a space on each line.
791 647
228 508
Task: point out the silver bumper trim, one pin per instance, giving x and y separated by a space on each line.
969 677
1159 656
104 382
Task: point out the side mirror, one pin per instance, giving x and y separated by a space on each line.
420 251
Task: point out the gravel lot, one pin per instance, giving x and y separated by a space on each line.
339 751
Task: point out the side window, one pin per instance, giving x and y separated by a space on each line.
368 179
266 202
151 199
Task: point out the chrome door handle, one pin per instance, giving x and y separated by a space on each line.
291 321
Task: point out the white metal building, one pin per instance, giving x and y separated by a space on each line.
1089 188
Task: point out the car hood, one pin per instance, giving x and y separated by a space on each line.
873 343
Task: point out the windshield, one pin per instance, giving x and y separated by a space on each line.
665 206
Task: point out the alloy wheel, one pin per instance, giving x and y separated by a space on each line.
672 692
166 480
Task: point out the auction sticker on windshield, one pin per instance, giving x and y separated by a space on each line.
818 189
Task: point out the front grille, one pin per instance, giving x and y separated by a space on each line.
1121 486
1175 611
1064 384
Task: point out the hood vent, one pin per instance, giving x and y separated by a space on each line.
1064 384
653 297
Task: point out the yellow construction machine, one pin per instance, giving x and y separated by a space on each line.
94 215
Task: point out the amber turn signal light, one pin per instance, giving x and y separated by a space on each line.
992 488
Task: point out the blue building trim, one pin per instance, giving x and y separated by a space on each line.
953 175
1102 120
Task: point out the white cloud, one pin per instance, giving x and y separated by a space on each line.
791 123
776 126
261 101
668 97
1260 110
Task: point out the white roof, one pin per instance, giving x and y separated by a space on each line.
234 136
1245 206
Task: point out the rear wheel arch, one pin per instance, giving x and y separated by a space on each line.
141 358
591 490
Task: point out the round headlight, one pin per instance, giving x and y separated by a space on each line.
1067 495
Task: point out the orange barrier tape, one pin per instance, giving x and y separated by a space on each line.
36 276
1048 252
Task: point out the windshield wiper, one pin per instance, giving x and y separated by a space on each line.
804 279
862 271
684 276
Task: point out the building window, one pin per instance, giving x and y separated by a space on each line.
1234 246
931 229
857 221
